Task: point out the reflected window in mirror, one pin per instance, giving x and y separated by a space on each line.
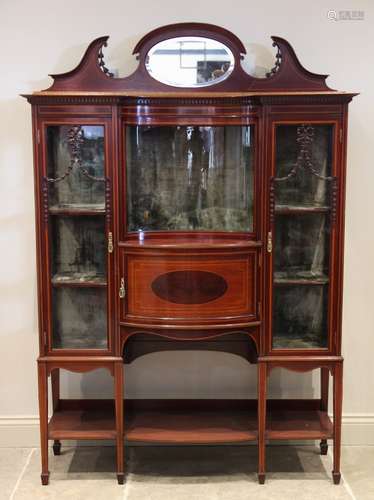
189 62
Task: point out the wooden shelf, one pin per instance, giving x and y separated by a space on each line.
85 423
298 424
196 427
77 209
190 421
79 280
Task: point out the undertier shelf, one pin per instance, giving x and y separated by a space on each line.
291 424
190 421
199 427
78 419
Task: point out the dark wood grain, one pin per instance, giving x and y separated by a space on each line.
189 287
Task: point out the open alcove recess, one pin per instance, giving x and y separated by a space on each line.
109 293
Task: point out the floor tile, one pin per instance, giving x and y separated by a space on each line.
12 461
358 470
78 473
191 473
229 473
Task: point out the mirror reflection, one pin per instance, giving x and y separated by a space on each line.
189 62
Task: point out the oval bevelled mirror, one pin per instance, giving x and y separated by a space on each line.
189 61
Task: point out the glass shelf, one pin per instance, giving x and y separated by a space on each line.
293 209
77 209
79 279
296 277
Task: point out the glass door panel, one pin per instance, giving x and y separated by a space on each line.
78 249
303 187
311 147
79 318
300 317
76 185
76 156
190 178
302 247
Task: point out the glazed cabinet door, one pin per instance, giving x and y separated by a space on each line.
76 205
300 241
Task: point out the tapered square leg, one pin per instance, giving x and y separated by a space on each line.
118 381
121 478
338 404
336 476
262 388
44 478
43 415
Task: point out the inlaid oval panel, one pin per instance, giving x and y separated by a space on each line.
189 287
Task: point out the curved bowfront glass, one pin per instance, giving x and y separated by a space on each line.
189 178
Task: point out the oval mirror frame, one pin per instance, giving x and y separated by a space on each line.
189 61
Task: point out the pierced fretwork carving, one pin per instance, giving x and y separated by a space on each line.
101 62
278 62
75 140
305 138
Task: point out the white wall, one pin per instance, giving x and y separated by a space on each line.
42 37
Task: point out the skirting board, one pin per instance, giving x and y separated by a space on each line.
23 431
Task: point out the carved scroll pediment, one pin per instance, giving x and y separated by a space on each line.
92 75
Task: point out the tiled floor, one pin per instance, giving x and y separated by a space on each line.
187 473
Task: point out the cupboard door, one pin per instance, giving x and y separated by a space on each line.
76 185
190 289
303 190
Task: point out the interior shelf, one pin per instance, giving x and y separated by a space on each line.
79 279
77 209
300 278
292 209
190 421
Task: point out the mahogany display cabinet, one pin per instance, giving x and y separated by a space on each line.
187 206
